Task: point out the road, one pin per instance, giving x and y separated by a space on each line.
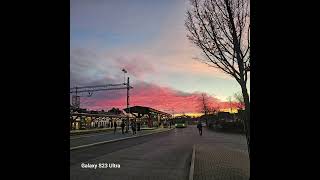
80 140
158 157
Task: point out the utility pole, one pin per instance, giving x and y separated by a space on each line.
128 119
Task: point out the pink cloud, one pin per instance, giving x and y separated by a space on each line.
151 95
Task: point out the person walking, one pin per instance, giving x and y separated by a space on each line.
199 126
138 124
133 127
122 127
115 127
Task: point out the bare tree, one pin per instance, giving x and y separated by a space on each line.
214 109
239 98
221 29
205 105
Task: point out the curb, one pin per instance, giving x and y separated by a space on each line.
115 140
192 163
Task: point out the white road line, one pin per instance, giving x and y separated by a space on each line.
192 163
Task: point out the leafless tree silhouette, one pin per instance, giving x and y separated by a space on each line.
214 109
205 105
239 98
221 29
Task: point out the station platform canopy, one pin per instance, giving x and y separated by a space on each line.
146 110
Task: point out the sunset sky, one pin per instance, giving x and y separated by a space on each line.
148 39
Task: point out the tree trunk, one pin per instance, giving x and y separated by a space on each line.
247 113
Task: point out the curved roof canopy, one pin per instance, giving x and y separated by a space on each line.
145 110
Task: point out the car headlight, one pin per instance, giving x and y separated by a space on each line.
182 124
176 124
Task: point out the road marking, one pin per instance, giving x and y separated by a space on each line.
114 140
192 163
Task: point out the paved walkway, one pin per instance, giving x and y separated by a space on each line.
216 162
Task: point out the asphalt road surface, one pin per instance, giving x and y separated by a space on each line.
80 140
160 156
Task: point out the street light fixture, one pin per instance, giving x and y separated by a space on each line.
124 75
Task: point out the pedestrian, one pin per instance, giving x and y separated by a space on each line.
133 127
115 127
122 127
170 124
199 126
138 124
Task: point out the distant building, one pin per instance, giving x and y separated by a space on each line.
227 117
86 119
209 117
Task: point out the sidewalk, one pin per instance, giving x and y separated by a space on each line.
220 163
